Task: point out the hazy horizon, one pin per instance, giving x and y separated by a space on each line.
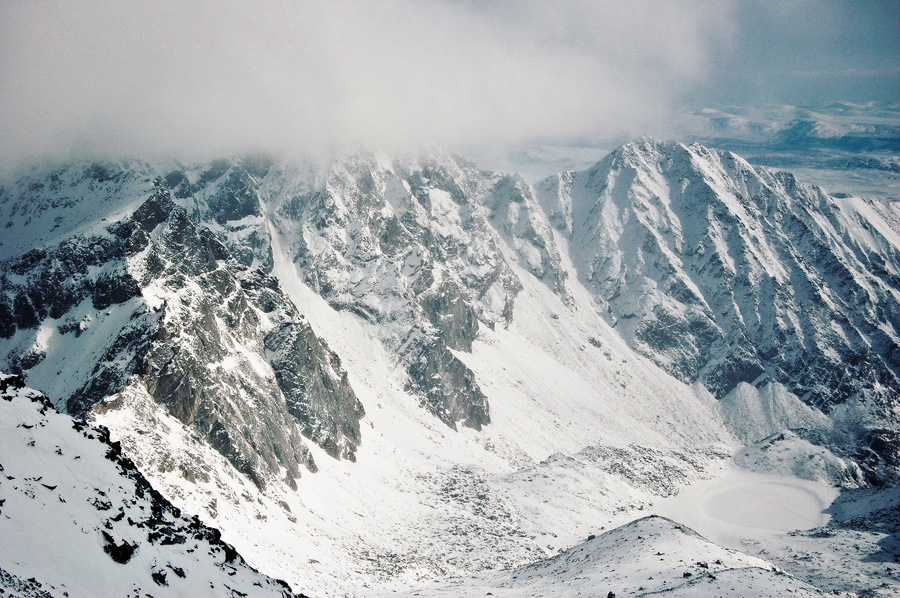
107 79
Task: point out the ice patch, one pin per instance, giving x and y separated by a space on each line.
741 508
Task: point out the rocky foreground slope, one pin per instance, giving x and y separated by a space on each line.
78 519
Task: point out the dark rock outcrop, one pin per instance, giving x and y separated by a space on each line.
316 388
182 319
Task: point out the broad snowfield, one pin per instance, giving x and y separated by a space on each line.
669 372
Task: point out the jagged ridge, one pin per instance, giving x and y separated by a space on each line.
78 517
725 273
173 311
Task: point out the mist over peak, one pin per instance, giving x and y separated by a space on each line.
107 78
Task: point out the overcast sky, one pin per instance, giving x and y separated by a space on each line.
202 78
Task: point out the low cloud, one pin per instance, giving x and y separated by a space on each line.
118 79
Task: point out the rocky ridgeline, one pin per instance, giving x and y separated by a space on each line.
719 272
182 260
412 246
725 273
415 247
64 479
194 328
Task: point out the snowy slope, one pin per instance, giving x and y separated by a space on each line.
78 519
650 556
427 343
727 274
444 506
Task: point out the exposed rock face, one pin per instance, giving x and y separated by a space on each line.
182 276
190 323
316 388
369 241
415 246
723 273
211 331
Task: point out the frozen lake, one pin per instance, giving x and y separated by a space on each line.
774 506
741 507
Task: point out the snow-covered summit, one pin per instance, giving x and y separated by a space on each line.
726 273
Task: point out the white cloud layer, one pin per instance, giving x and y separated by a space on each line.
196 79
120 78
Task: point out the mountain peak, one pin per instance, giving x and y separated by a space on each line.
701 261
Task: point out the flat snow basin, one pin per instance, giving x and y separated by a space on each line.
740 507
775 506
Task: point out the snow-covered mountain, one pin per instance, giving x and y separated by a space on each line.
728 274
78 519
842 126
443 351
